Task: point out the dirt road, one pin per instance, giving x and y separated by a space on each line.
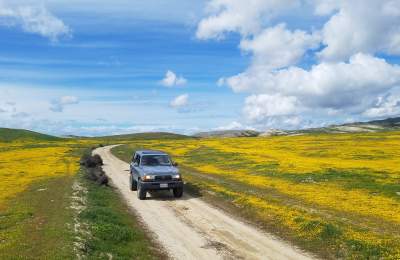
189 228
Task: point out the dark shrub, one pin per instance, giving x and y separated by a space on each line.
84 158
94 171
97 174
91 161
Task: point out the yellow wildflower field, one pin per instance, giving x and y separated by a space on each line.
340 192
22 163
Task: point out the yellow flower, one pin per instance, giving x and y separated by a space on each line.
23 163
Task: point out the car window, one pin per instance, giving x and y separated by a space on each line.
136 159
155 160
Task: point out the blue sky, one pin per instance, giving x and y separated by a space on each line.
97 68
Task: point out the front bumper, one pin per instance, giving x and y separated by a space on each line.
160 185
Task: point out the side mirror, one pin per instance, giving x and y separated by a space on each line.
175 164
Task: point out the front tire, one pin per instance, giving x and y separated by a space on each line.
132 183
141 193
178 192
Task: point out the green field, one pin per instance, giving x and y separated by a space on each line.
38 219
335 195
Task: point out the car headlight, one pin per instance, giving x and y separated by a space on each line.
176 176
148 177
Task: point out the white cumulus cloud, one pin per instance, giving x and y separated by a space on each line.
388 105
234 126
343 73
180 101
260 107
325 83
368 26
172 80
59 104
244 17
34 19
277 47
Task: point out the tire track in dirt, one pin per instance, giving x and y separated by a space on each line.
189 228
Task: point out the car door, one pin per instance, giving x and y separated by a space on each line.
135 166
132 163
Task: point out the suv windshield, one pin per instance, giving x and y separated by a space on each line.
155 160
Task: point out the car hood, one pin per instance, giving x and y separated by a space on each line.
159 170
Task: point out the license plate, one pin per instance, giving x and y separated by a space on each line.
164 185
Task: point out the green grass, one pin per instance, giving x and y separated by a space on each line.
36 224
9 135
328 240
114 230
33 227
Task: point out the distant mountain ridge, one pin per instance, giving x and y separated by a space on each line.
388 124
228 133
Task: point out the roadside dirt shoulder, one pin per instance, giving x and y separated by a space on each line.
189 228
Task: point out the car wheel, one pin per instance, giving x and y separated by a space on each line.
178 192
133 183
141 193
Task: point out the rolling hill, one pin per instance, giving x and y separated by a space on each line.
228 133
9 135
389 124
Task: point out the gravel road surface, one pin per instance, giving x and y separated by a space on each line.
189 228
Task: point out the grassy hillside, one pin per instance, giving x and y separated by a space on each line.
9 135
36 173
336 195
228 133
389 122
37 216
384 125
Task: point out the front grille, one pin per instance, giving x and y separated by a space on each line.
163 178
